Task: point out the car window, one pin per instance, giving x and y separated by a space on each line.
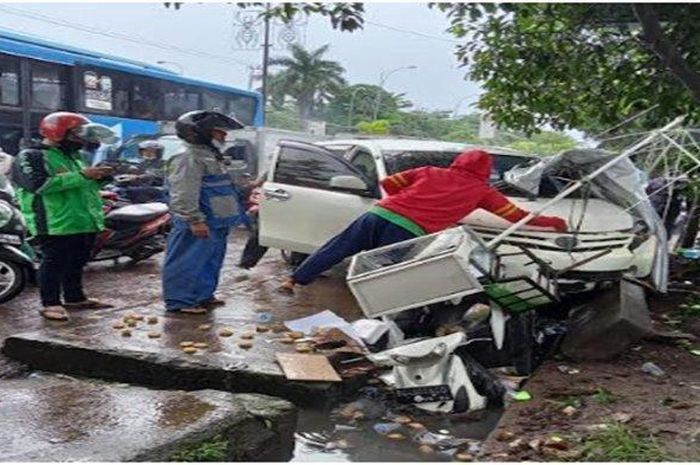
364 162
308 168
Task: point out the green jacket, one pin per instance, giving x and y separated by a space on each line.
55 198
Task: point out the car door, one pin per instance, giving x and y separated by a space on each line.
300 210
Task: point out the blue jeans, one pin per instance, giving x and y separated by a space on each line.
192 266
365 233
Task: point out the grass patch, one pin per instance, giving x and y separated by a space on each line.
603 396
209 451
618 443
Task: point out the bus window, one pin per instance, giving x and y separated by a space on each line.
10 131
146 98
214 101
242 108
178 100
104 92
48 86
9 81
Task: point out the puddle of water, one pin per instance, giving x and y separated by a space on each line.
363 444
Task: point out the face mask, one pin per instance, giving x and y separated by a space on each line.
70 146
218 145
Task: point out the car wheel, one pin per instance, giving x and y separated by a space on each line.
293 258
12 280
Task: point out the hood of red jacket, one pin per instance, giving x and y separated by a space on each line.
474 162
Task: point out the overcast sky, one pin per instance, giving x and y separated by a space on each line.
436 83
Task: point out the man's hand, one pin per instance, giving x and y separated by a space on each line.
200 230
97 172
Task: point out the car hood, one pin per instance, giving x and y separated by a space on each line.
601 216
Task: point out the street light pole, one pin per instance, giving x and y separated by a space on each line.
383 76
266 58
352 102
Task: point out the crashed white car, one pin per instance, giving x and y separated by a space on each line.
313 191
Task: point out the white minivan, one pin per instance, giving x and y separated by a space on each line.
313 191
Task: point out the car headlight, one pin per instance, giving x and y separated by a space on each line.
6 213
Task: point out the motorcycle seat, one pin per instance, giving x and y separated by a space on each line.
138 213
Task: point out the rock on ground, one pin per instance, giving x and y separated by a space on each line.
56 418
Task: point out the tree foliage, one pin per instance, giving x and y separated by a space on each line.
585 66
307 77
355 103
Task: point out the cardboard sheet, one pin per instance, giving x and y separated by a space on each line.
307 367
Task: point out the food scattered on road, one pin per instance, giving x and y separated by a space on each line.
126 333
186 344
189 350
247 335
205 327
131 323
154 335
225 332
200 345
396 436
245 344
262 328
118 325
303 348
295 334
152 320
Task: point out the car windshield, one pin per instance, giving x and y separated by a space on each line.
408 159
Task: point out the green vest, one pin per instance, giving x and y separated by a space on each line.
67 203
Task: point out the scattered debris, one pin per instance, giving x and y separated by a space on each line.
653 369
184 344
521 396
131 323
303 348
263 317
535 444
262 328
225 332
425 449
126 333
152 320
569 411
200 345
153 335
307 367
464 457
621 417
517 445
204 327
503 435
245 344
248 335
118 325
386 428
396 436
189 350
568 370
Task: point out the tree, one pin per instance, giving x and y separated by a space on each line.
308 78
356 103
586 66
544 143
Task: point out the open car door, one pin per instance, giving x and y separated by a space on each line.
310 196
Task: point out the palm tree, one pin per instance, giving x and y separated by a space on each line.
308 78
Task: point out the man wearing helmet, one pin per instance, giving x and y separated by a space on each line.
146 185
205 205
60 200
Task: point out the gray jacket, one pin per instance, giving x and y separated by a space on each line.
200 187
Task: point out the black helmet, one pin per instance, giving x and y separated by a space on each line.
195 126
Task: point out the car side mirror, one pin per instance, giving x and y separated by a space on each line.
351 183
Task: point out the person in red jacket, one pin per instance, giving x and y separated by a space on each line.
419 201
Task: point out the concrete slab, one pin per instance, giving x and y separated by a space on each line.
608 324
88 345
47 418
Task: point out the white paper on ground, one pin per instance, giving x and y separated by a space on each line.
324 319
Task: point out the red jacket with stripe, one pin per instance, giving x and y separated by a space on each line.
437 198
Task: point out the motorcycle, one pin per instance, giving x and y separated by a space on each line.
17 267
137 231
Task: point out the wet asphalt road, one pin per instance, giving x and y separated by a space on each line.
136 288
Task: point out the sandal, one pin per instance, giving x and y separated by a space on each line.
212 303
286 287
87 304
191 310
54 313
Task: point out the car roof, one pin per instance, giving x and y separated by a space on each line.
421 145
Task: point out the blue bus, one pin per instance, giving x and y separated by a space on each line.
38 77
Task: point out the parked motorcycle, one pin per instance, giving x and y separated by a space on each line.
16 264
137 231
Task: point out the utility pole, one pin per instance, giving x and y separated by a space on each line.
265 58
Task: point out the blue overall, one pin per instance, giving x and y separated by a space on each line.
192 265
367 232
